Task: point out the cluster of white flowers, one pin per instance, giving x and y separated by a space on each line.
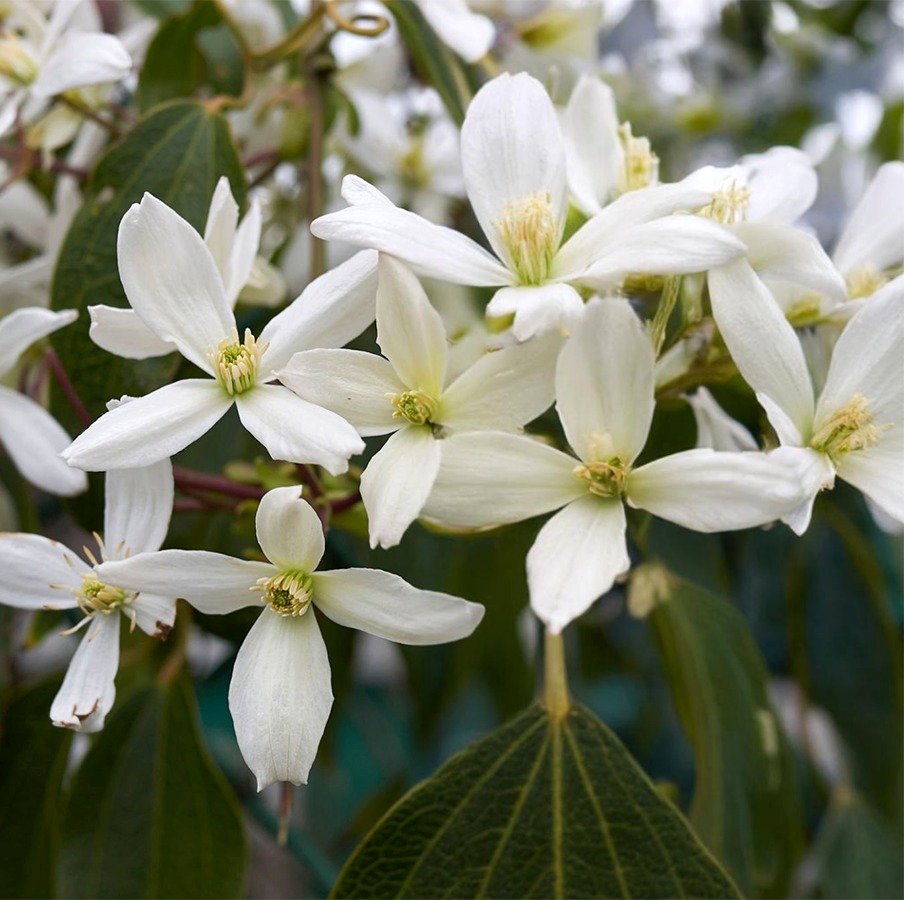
563 325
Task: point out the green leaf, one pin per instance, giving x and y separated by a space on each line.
543 807
177 152
33 758
161 9
746 804
150 815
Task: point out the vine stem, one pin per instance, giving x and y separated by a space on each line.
555 693
67 387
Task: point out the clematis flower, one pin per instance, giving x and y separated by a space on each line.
604 397
37 573
172 281
280 695
410 395
854 428
31 436
513 160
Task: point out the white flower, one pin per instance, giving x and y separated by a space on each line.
604 397
172 281
31 436
409 393
854 428
37 573
513 159
280 695
715 428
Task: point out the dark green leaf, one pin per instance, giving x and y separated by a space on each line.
33 758
746 804
150 815
543 807
160 9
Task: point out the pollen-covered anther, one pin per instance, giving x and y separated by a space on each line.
94 596
288 594
729 204
864 281
847 429
530 233
641 164
604 479
16 63
415 407
236 364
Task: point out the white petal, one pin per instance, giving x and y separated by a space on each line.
358 192
397 481
219 230
22 327
150 428
34 440
243 257
468 34
537 309
350 383
138 505
783 184
705 490
172 281
505 389
123 332
88 691
815 473
329 312
297 431
409 330
386 605
715 428
30 565
288 530
493 478
879 472
211 582
280 697
576 557
762 343
81 59
154 615
604 384
512 149
429 249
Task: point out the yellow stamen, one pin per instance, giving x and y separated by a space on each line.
848 429
729 204
236 365
288 593
530 233
641 164
415 407
604 479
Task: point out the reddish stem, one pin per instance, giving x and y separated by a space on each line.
190 481
67 387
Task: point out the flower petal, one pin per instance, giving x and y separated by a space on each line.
715 428
88 691
288 530
397 481
297 431
280 697
137 509
244 249
31 566
576 558
815 473
123 332
879 473
22 327
150 428
537 309
385 605
219 230
470 35
80 59
154 615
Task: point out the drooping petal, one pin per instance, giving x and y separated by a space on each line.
505 389
537 309
34 440
138 505
280 697
815 473
762 343
297 431
397 481
123 332
211 582
386 605
332 310
150 428
288 530
80 59
493 478
576 558
878 472
351 383
88 691
31 566
705 490
410 331
604 384
470 35
172 281
22 327
154 614
219 230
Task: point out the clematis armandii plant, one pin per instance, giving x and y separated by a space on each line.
855 427
37 573
605 400
280 695
514 161
410 395
172 281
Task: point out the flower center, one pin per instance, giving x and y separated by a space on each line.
94 596
16 63
604 479
641 164
864 281
415 407
807 311
236 365
288 594
531 235
729 204
847 429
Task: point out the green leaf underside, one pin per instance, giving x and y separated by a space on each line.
746 806
149 814
542 807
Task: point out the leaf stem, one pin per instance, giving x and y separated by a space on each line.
555 678
67 387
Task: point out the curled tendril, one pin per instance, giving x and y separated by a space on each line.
375 26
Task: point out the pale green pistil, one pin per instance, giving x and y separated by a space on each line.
847 429
94 596
604 479
287 594
415 407
236 364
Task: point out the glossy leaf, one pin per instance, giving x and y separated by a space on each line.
543 807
